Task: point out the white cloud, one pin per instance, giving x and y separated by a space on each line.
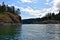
29 17
35 12
56 4
54 7
31 11
28 1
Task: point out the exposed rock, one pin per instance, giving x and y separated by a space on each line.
7 17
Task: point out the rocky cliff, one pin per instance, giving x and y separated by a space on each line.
7 17
8 14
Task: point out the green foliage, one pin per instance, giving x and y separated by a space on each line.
6 8
9 14
48 18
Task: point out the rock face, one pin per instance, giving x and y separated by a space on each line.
7 17
9 14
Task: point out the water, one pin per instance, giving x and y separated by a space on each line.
30 32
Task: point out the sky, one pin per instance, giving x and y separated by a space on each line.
34 8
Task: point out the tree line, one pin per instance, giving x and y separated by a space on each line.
6 8
48 18
52 16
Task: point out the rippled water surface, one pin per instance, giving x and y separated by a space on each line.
30 32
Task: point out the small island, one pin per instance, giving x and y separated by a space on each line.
9 15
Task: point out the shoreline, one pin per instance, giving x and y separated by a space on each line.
29 23
44 23
10 23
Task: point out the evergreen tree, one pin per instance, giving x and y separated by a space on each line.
13 9
59 12
3 7
53 16
18 11
6 8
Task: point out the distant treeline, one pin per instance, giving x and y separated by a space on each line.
48 18
6 8
51 16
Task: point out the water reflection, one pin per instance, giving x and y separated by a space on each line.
11 32
30 32
41 32
53 31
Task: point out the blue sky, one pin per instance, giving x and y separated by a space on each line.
34 8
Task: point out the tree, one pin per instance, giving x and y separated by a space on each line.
3 4
53 16
3 7
59 12
6 8
58 16
13 9
17 11
0 8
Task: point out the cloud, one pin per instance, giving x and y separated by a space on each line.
30 17
56 4
36 12
31 11
28 1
